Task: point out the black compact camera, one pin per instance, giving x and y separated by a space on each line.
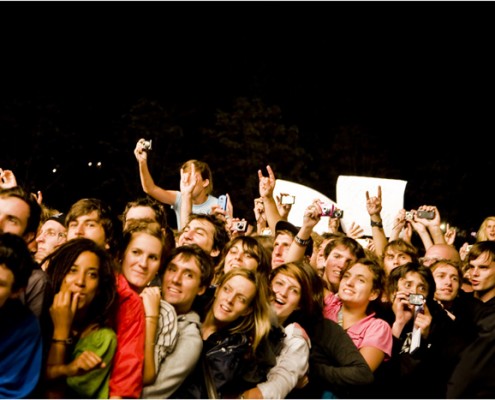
147 145
329 210
416 299
425 214
239 226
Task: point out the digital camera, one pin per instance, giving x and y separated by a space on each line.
287 199
147 145
425 214
222 202
409 216
239 226
416 299
329 210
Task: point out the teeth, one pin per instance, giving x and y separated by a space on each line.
279 301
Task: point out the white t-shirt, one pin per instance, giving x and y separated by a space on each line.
203 208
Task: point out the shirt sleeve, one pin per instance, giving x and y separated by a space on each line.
179 364
292 364
126 379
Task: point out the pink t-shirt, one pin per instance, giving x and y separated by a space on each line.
368 332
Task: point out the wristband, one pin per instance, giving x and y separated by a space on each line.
377 224
302 242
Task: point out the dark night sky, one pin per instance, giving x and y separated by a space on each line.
418 73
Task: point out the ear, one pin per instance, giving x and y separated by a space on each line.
214 252
29 237
373 295
206 182
201 290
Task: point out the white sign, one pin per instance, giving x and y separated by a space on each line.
304 197
351 197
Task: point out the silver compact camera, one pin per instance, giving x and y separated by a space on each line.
409 216
239 226
287 199
416 299
147 145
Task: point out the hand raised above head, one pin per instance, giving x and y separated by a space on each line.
266 184
139 152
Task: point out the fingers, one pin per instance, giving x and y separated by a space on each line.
75 301
271 175
379 195
367 195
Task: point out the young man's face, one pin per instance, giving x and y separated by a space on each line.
281 247
482 276
181 283
447 282
339 258
14 215
139 213
200 232
88 226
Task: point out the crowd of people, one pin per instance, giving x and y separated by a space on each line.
96 303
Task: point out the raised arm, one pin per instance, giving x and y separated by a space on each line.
432 224
311 217
266 187
147 183
374 207
188 181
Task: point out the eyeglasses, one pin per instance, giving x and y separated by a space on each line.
51 234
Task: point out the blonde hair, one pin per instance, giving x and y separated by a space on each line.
481 234
257 323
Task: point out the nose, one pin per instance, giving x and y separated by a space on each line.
40 238
80 279
176 278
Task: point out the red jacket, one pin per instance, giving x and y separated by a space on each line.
126 379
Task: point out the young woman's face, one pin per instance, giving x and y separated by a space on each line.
286 295
83 279
238 257
141 260
233 299
356 286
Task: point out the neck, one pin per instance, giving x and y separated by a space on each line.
352 315
200 198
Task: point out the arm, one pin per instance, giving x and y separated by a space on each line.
433 225
374 207
311 217
266 187
188 181
422 232
149 187
151 302
335 360
292 364
180 363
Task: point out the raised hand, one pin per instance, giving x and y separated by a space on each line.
266 184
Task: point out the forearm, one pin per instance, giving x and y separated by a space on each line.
378 234
436 234
149 372
297 250
271 212
425 238
185 208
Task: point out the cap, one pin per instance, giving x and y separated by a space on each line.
287 226
59 217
